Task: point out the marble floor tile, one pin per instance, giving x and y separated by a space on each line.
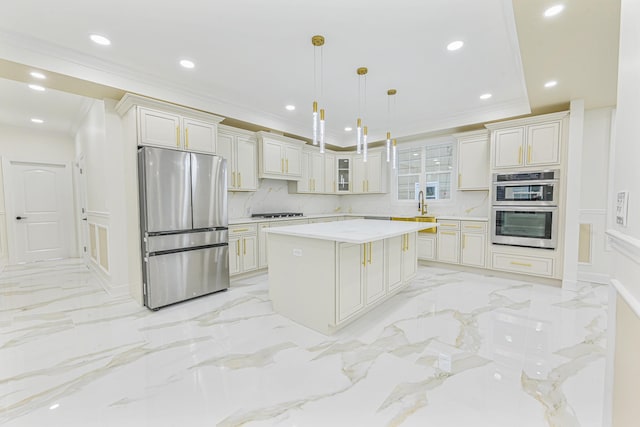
451 349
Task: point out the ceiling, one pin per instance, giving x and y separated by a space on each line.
254 57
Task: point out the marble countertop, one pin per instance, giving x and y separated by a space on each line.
246 220
356 231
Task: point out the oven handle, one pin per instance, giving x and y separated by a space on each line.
525 208
520 183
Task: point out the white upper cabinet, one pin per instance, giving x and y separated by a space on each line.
313 169
528 142
370 176
280 157
239 148
166 125
330 174
473 160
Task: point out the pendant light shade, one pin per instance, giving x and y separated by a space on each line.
318 118
360 129
395 154
390 97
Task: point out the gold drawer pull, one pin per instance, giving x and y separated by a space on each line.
520 154
239 230
442 224
186 137
448 233
474 226
177 136
521 264
238 248
244 246
364 254
529 154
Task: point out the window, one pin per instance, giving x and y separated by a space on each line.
428 168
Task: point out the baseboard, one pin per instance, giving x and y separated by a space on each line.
600 278
105 282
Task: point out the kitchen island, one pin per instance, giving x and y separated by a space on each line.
326 275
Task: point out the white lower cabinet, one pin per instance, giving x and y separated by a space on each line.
374 271
535 265
449 242
427 243
262 244
401 259
243 248
350 289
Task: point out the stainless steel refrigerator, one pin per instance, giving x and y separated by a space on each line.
183 220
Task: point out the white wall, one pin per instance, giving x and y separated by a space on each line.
594 189
99 141
626 240
31 144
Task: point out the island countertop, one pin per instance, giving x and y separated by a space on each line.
356 231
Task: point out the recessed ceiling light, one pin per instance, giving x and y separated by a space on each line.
36 87
550 83
485 96
553 10
101 40
290 107
38 75
348 129
455 45
187 64
39 121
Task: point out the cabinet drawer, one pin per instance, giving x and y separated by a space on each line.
241 229
538 266
448 225
473 226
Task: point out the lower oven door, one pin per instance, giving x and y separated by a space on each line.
535 227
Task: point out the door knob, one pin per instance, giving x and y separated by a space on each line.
21 217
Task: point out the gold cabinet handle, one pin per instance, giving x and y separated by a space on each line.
522 264
233 179
238 248
239 230
177 136
529 153
364 254
473 226
459 180
186 137
239 179
244 246
520 154
448 233
287 161
369 252
282 165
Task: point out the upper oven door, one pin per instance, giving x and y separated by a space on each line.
526 193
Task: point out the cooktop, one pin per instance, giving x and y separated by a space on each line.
276 215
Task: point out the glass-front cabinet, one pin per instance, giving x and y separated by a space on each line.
344 174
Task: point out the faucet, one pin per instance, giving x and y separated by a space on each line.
421 206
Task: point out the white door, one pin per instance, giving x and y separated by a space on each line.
40 211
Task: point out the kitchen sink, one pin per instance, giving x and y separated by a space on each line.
419 218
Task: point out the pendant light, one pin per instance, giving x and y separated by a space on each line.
390 93
395 154
360 130
318 119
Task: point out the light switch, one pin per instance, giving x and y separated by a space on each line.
622 201
297 252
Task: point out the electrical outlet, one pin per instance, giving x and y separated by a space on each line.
622 202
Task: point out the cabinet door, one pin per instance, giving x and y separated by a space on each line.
305 185
249 253
234 255
394 250
409 257
158 128
449 246
246 163
330 173
272 157
359 175
426 247
473 249
350 290
316 166
374 179
543 144
225 149
344 174
292 160
262 245
473 164
200 136
374 271
508 147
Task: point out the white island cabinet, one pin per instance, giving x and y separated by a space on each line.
325 275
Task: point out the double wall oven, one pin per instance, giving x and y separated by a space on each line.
525 209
